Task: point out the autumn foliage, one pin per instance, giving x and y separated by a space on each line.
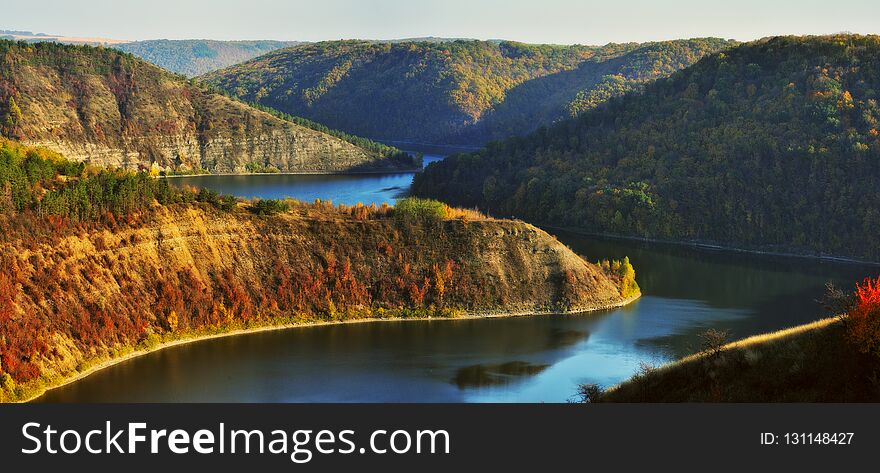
864 318
622 272
121 261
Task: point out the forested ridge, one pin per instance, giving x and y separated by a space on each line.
462 91
770 145
193 57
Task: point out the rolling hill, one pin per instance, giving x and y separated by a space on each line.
454 92
772 145
194 57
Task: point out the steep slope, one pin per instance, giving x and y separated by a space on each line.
565 94
110 108
770 145
461 91
194 57
151 263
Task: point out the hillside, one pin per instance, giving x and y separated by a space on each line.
772 145
194 57
97 264
463 92
808 363
109 108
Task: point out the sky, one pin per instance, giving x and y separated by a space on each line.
533 21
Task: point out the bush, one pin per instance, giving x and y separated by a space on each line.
863 326
628 285
268 207
712 341
589 393
411 208
222 202
622 272
260 168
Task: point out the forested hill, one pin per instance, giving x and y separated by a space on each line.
110 108
773 144
193 57
462 91
96 264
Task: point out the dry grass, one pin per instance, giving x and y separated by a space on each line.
807 363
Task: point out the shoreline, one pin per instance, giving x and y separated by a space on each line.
394 143
713 246
137 353
298 173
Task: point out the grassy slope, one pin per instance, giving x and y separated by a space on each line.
807 363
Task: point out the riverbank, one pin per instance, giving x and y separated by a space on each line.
210 334
302 173
420 146
708 246
807 363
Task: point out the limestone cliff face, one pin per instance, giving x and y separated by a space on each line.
78 295
111 109
288 149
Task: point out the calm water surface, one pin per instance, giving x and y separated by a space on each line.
345 189
521 359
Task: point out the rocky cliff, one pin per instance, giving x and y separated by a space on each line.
112 109
77 294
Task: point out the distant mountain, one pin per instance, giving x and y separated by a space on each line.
110 108
771 145
31 37
462 91
193 57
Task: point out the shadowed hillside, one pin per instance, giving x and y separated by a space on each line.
772 145
463 91
194 57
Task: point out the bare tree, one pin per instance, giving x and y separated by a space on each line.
713 340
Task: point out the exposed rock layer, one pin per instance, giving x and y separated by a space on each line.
111 109
81 296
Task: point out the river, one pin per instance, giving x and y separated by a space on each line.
520 359
348 189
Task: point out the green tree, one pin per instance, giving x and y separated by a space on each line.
13 114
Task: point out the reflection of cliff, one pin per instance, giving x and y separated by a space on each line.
111 109
497 374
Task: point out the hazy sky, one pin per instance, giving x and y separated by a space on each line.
535 21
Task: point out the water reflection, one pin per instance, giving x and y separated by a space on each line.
491 375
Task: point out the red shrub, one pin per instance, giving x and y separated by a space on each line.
8 290
864 318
